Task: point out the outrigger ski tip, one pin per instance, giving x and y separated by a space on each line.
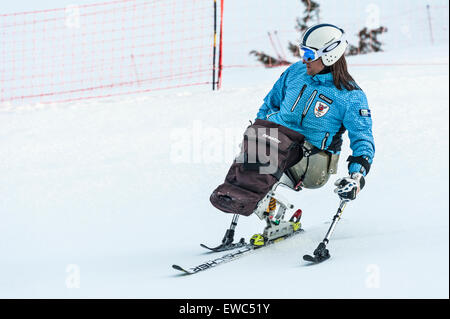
322 253
314 259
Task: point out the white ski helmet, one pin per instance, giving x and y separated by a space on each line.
323 40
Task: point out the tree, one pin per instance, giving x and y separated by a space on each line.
268 60
368 41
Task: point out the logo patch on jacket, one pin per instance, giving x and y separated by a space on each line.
320 109
364 112
326 99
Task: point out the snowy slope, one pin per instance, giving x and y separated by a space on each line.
102 185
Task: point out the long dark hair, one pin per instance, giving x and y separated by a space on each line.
341 77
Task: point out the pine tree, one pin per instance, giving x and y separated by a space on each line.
368 41
268 60
311 15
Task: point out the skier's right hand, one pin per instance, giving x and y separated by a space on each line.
349 187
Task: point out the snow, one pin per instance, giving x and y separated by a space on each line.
118 190
101 185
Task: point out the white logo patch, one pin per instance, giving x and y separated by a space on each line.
272 138
320 109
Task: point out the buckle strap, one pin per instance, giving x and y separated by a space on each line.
309 149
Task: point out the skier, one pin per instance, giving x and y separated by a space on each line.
310 106
318 98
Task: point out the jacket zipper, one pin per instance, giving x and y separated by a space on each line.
324 141
308 105
298 97
273 113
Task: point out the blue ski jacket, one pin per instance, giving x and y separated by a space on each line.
314 107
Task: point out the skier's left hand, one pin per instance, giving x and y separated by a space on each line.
349 187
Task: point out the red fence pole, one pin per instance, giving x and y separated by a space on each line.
219 84
214 47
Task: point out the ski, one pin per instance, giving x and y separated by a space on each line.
214 262
244 250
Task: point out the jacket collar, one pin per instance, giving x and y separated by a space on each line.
323 78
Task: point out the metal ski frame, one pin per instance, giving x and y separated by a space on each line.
227 241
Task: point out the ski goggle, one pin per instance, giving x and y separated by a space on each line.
308 54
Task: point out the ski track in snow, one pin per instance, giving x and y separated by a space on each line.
95 184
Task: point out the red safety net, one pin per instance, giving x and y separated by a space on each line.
105 49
